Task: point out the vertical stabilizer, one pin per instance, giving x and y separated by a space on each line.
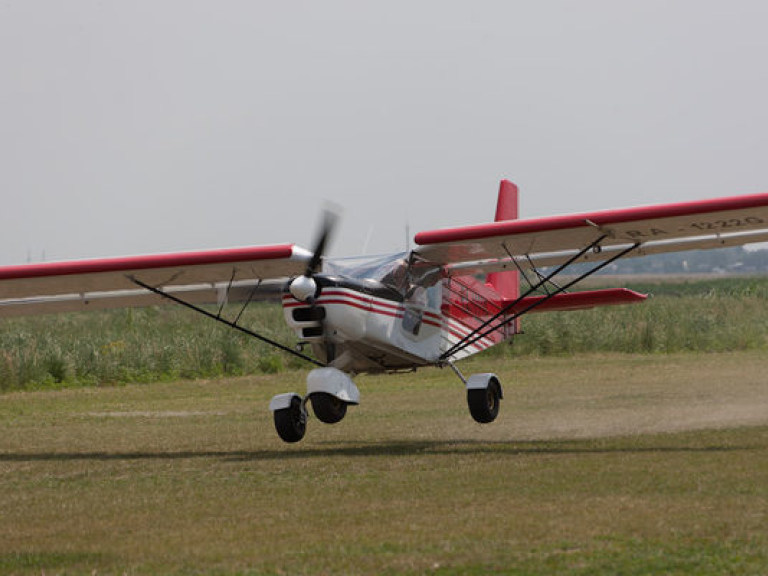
506 284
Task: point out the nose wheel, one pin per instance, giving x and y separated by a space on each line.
328 408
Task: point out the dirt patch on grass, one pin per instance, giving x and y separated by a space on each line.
646 420
644 395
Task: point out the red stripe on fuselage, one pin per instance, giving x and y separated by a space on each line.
363 302
454 329
461 331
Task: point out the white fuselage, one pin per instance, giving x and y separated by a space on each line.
358 331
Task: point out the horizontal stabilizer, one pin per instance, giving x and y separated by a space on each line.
579 300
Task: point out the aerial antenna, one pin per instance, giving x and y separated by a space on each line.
368 240
407 236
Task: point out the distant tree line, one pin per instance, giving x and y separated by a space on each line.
737 260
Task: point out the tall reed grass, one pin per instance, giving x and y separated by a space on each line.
715 315
134 345
168 343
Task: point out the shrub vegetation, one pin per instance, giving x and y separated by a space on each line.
167 343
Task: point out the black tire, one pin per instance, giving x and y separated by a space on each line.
290 423
328 408
484 403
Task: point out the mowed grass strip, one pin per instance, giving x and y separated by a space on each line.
601 464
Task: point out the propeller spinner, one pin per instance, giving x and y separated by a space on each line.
304 289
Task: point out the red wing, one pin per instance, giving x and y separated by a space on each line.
551 241
107 282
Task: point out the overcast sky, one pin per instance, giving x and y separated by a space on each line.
153 126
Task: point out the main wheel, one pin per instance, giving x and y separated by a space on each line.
484 402
328 408
291 422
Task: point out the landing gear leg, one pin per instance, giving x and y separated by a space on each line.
484 395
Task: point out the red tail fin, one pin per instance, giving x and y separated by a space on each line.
506 284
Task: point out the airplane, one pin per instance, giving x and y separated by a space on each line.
458 292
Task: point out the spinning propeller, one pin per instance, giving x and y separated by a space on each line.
304 288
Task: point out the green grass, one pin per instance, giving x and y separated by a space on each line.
598 464
165 344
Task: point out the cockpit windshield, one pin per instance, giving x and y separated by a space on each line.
415 283
391 270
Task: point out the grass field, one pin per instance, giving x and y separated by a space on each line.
598 464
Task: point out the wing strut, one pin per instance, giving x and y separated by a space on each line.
226 322
522 272
488 328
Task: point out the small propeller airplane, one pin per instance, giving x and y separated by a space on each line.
457 293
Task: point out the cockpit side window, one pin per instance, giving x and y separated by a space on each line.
434 296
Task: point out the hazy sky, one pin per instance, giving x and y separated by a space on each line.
152 126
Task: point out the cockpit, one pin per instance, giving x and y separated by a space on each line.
391 272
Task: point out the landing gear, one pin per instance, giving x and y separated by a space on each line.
290 420
484 396
329 390
328 408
